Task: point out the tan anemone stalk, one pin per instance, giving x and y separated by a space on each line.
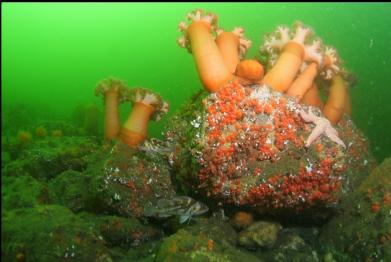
147 105
112 91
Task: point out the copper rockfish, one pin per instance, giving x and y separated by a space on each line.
183 206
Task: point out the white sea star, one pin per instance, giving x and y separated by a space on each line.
323 125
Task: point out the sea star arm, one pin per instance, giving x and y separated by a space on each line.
318 130
332 133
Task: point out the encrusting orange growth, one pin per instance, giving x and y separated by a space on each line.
375 207
242 220
335 105
199 40
210 244
112 90
146 105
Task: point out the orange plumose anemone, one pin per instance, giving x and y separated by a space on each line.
112 91
56 133
146 105
242 220
41 132
198 38
24 137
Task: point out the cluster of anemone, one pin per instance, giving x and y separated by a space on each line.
211 20
325 56
146 105
297 62
219 54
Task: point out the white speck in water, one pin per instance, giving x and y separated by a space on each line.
371 43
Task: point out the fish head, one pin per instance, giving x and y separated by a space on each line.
198 208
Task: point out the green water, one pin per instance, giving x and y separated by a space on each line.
54 54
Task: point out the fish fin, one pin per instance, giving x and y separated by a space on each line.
183 218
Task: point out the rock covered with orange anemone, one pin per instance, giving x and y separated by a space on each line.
246 146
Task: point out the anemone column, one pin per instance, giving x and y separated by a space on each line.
146 105
112 90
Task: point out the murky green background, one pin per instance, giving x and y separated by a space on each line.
54 54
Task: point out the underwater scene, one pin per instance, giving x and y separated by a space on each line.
196 132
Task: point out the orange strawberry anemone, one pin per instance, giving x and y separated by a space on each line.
147 105
112 91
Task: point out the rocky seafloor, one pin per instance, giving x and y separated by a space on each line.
68 197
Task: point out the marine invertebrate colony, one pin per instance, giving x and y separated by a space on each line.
246 132
256 147
295 62
250 139
318 61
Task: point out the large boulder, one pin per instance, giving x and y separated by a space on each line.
130 179
49 233
362 230
245 145
47 158
207 240
22 191
72 189
122 232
